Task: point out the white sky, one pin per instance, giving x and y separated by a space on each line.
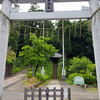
57 6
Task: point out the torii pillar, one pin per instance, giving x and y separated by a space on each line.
94 4
4 34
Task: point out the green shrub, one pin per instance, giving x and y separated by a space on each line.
71 76
82 72
9 62
18 65
29 75
48 67
59 72
91 68
29 69
42 77
78 64
17 69
89 79
19 62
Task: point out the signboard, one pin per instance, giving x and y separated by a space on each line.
78 80
65 93
48 5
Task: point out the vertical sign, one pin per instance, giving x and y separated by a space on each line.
65 93
48 5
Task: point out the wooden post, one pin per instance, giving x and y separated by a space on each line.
4 34
94 4
54 93
39 93
69 93
47 93
32 92
62 93
25 93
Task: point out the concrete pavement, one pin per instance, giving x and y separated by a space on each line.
14 89
78 93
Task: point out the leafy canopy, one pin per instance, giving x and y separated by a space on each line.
39 52
78 64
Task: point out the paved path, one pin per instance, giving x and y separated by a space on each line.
78 93
13 86
13 89
51 85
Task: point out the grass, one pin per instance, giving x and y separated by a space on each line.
17 69
29 82
92 89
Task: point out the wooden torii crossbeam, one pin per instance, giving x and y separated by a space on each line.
24 16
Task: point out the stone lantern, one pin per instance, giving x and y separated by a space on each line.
55 59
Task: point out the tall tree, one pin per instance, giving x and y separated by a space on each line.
38 53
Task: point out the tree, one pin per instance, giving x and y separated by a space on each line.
78 64
80 41
38 53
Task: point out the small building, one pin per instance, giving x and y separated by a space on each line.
55 60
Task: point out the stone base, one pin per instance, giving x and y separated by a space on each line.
63 78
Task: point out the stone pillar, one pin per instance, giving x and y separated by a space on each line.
94 4
4 33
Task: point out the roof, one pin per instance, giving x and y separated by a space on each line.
41 1
57 55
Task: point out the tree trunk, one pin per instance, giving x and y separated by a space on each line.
36 68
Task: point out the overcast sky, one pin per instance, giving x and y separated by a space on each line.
57 6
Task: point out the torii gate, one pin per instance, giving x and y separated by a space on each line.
24 16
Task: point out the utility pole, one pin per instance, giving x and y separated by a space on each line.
43 71
63 71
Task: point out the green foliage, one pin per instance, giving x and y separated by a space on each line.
13 39
89 79
17 69
8 61
42 77
69 81
82 72
29 69
10 56
39 53
18 65
48 66
78 64
71 76
78 44
29 75
59 72
82 67
91 68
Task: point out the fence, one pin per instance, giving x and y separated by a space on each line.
47 93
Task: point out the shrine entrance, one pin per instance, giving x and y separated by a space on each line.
55 59
7 14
